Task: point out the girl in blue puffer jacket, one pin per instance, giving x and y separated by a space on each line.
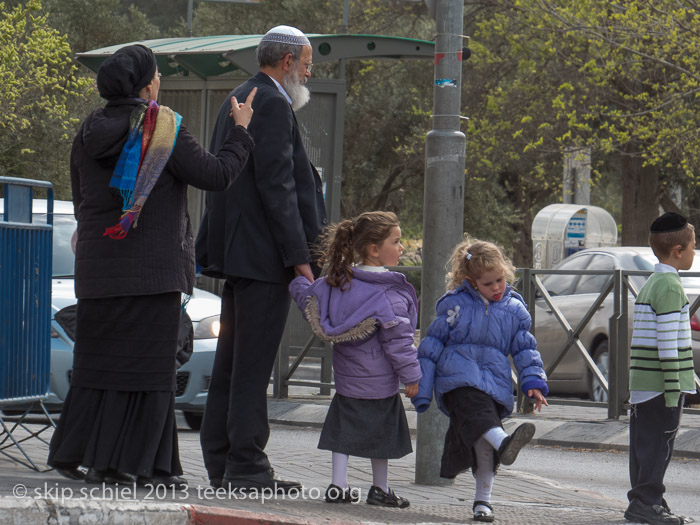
464 359
369 315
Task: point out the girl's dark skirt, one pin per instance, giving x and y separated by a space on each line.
472 414
366 428
119 412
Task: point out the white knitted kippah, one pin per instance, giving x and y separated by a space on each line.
286 35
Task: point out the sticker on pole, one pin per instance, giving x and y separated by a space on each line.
446 82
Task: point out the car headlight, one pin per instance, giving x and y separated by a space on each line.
208 328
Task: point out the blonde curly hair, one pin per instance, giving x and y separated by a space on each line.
471 258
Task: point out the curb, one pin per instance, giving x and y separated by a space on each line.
57 511
202 515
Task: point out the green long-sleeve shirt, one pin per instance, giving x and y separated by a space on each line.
661 355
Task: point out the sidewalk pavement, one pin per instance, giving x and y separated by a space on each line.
28 497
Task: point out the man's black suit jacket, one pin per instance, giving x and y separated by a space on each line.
266 221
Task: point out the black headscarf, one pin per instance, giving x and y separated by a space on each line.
126 72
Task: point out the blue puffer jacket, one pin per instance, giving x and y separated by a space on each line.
468 344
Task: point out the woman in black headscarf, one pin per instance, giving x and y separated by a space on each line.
131 164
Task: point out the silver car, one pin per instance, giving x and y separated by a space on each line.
573 295
203 308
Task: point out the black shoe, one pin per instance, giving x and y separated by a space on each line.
483 515
684 519
377 496
166 480
70 472
109 476
511 445
653 514
215 482
265 480
334 494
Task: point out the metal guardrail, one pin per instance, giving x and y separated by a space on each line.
530 285
622 287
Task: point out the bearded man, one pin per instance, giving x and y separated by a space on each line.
257 235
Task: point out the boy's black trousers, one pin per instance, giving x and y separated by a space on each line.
653 429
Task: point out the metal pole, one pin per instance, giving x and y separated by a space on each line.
190 7
443 212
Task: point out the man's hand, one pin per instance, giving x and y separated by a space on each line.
242 113
412 390
305 270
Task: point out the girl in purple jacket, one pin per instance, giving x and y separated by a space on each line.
368 314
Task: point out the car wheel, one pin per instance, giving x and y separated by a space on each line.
601 357
194 419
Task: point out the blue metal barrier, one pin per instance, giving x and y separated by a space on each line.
25 299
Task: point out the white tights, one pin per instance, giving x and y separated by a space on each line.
484 471
380 471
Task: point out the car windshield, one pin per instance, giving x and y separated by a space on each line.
63 257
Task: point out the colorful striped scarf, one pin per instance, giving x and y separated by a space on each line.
152 133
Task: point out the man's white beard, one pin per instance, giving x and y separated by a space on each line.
296 90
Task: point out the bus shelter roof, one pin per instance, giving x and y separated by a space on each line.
211 56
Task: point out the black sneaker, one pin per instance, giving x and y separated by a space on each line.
334 494
512 445
653 514
684 519
377 496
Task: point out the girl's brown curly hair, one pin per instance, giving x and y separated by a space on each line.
346 243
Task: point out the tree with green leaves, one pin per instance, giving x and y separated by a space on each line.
91 24
632 92
38 81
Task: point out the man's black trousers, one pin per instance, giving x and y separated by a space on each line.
235 428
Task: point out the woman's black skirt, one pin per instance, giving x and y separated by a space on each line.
119 411
472 414
366 428
127 343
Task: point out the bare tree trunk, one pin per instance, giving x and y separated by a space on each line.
380 200
518 193
522 247
640 200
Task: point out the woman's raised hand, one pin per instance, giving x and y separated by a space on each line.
242 113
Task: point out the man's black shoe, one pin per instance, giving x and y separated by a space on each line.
377 496
215 482
265 480
70 472
652 514
511 445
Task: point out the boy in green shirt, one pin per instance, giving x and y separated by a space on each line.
661 369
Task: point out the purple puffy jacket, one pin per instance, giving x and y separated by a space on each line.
371 326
